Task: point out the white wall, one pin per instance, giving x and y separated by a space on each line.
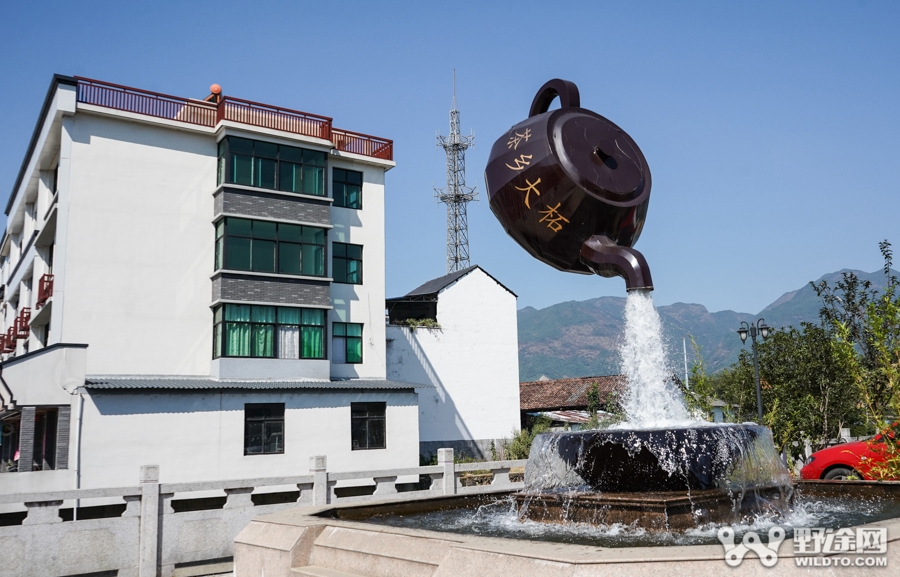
472 360
139 248
361 303
196 436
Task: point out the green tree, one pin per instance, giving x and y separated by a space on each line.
518 446
808 387
866 327
700 392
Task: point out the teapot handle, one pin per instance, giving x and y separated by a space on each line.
566 90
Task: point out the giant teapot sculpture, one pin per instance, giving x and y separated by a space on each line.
572 188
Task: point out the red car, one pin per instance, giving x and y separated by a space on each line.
854 459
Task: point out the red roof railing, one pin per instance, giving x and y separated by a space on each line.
144 102
265 116
203 113
364 144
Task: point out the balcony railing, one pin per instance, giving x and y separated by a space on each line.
203 113
9 340
45 291
21 323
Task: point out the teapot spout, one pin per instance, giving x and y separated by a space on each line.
603 256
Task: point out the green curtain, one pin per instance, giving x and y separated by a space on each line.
288 316
237 339
312 342
315 317
354 350
263 340
237 313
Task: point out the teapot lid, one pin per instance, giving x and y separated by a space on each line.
595 153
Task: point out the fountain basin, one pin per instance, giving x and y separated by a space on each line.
382 539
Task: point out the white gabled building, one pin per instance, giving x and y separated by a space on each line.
471 360
196 284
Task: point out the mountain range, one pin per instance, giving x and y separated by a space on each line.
581 338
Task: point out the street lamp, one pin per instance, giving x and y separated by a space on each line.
759 327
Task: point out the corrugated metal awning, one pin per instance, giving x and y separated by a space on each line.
120 382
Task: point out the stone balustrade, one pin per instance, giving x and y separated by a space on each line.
158 529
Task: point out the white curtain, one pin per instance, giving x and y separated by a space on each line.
288 342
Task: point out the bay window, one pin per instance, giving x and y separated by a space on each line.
273 166
260 331
262 246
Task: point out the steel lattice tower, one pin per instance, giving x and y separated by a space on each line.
456 195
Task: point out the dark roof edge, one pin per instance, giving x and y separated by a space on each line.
416 296
498 282
39 352
51 92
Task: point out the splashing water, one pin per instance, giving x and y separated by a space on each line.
651 399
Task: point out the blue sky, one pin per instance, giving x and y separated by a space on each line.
771 128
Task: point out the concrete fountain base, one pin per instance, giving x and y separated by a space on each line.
331 541
652 511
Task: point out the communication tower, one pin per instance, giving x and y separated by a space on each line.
456 195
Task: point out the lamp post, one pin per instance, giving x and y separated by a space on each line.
759 327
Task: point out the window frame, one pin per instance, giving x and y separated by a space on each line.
369 420
265 419
221 332
341 247
223 246
347 338
340 200
259 152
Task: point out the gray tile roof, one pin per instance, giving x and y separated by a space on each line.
434 286
110 382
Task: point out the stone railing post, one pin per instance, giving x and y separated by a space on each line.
238 498
501 477
385 485
445 460
41 512
149 551
317 465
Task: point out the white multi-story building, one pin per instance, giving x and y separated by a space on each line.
196 284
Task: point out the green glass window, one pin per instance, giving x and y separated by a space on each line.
220 244
273 166
346 263
268 332
237 331
346 343
347 187
261 246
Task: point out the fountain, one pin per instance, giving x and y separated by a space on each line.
572 189
645 496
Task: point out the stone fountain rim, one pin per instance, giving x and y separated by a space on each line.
567 553
698 426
